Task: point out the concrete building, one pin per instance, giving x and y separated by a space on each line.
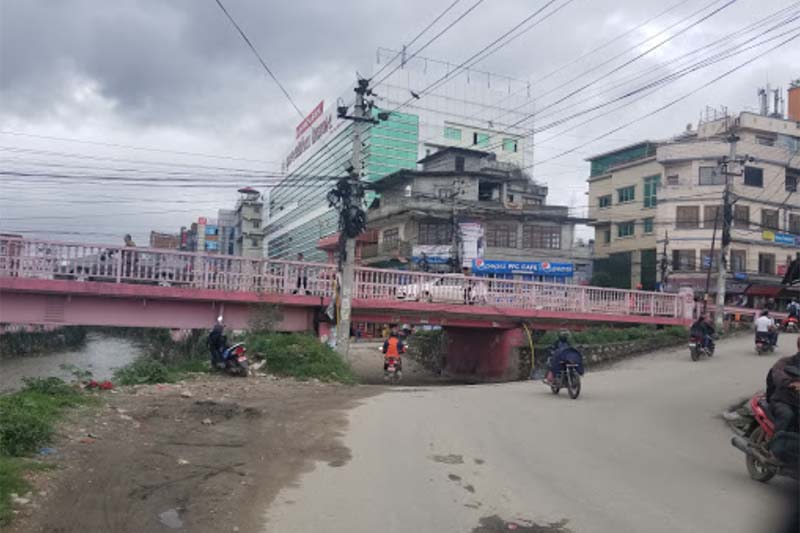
226 221
249 230
657 202
463 113
464 208
165 241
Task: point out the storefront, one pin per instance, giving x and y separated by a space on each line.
527 271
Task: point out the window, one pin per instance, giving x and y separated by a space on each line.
739 260
708 261
625 229
765 140
683 260
454 134
711 176
766 263
501 235
254 242
538 236
606 236
480 139
604 201
445 194
510 198
650 190
769 219
648 225
626 194
435 233
792 178
391 237
459 163
754 176
488 191
509 145
673 180
256 224
794 224
710 214
687 217
741 216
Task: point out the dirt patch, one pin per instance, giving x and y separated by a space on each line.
453 477
451 459
495 524
204 456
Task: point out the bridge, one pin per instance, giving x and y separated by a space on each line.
57 283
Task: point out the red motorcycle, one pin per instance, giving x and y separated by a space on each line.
761 464
791 325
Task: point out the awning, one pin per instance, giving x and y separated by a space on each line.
770 291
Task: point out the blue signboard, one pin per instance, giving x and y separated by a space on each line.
540 268
740 276
784 238
432 259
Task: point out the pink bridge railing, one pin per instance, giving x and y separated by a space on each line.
378 284
27 258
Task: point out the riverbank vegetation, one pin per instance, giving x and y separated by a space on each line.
27 422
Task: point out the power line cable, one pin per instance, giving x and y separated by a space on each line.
260 59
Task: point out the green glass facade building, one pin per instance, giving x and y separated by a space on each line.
299 215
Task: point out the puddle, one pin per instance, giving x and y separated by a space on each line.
171 519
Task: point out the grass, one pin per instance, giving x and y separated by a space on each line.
27 422
300 356
604 335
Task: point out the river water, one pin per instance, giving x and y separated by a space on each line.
101 354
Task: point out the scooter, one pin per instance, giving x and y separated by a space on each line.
791 325
762 465
235 362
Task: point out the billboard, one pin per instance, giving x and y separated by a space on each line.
536 268
472 242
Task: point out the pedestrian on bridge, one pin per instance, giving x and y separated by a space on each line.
302 276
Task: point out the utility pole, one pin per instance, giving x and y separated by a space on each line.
664 262
727 218
348 197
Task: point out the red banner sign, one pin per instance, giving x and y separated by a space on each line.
308 121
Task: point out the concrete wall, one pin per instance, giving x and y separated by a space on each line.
484 354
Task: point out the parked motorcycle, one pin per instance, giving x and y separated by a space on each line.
235 362
761 463
763 344
697 348
791 325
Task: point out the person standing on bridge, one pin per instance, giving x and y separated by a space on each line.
302 276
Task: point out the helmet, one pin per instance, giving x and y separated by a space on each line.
219 319
563 335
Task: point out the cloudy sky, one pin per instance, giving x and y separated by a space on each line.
166 99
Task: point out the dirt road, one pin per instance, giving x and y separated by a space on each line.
643 449
205 456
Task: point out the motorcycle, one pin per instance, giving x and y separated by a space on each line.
762 465
763 344
234 360
568 377
791 325
392 368
697 348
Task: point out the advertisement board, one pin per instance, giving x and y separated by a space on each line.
472 241
536 268
435 254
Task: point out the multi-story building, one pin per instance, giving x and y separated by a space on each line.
226 221
466 113
249 230
164 241
658 203
464 208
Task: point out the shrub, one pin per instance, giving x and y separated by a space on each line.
606 335
145 370
300 356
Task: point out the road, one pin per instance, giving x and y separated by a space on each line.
643 449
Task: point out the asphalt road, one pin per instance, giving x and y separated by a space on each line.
644 449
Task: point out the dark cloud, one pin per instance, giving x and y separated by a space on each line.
176 75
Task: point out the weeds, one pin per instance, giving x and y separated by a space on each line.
300 356
604 335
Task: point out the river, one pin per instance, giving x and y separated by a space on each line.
101 354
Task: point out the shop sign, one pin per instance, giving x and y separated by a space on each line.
435 254
784 238
543 268
768 235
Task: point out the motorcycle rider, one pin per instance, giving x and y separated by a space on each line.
784 396
703 328
393 347
216 342
793 309
765 327
557 351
